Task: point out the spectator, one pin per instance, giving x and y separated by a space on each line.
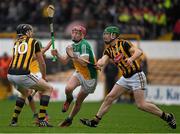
96 14
176 30
5 88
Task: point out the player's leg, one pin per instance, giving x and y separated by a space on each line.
80 98
30 102
30 81
152 108
30 98
113 95
46 90
76 107
145 106
47 116
70 86
18 106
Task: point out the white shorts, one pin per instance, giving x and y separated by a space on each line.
23 81
38 75
137 81
89 86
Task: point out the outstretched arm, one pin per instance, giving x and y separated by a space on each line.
102 61
43 50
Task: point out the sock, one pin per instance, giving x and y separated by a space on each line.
70 118
17 110
97 119
44 101
69 98
30 98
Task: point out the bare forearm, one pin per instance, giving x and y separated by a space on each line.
103 61
46 48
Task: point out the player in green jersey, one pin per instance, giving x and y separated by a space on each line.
85 75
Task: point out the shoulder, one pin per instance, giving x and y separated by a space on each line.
127 42
37 42
85 44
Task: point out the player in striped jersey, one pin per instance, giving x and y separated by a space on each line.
85 75
35 70
19 74
125 55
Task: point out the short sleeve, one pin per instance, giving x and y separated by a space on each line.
126 45
38 46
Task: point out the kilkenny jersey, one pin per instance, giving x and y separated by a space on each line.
23 51
83 48
34 66
119 52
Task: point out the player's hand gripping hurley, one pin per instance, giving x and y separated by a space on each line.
71 54
50 11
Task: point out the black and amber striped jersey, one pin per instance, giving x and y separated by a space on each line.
119 52
23 51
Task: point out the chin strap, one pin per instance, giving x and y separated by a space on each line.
75 41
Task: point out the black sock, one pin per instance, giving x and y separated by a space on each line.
30 98
44 101
69 118
17 110
69 98
98 117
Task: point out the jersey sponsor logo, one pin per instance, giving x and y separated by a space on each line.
118 57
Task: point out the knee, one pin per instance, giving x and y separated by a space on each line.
68 89
50 89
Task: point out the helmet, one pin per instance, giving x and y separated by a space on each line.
22 29
112 29
80 28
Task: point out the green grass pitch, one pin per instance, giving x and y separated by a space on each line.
122 118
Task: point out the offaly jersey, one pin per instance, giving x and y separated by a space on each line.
83 48
23 52
120 51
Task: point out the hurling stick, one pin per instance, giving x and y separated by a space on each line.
51 11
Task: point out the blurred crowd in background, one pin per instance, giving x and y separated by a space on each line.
150 19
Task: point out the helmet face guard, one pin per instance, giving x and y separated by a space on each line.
22 29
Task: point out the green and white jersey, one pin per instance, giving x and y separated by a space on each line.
83 48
